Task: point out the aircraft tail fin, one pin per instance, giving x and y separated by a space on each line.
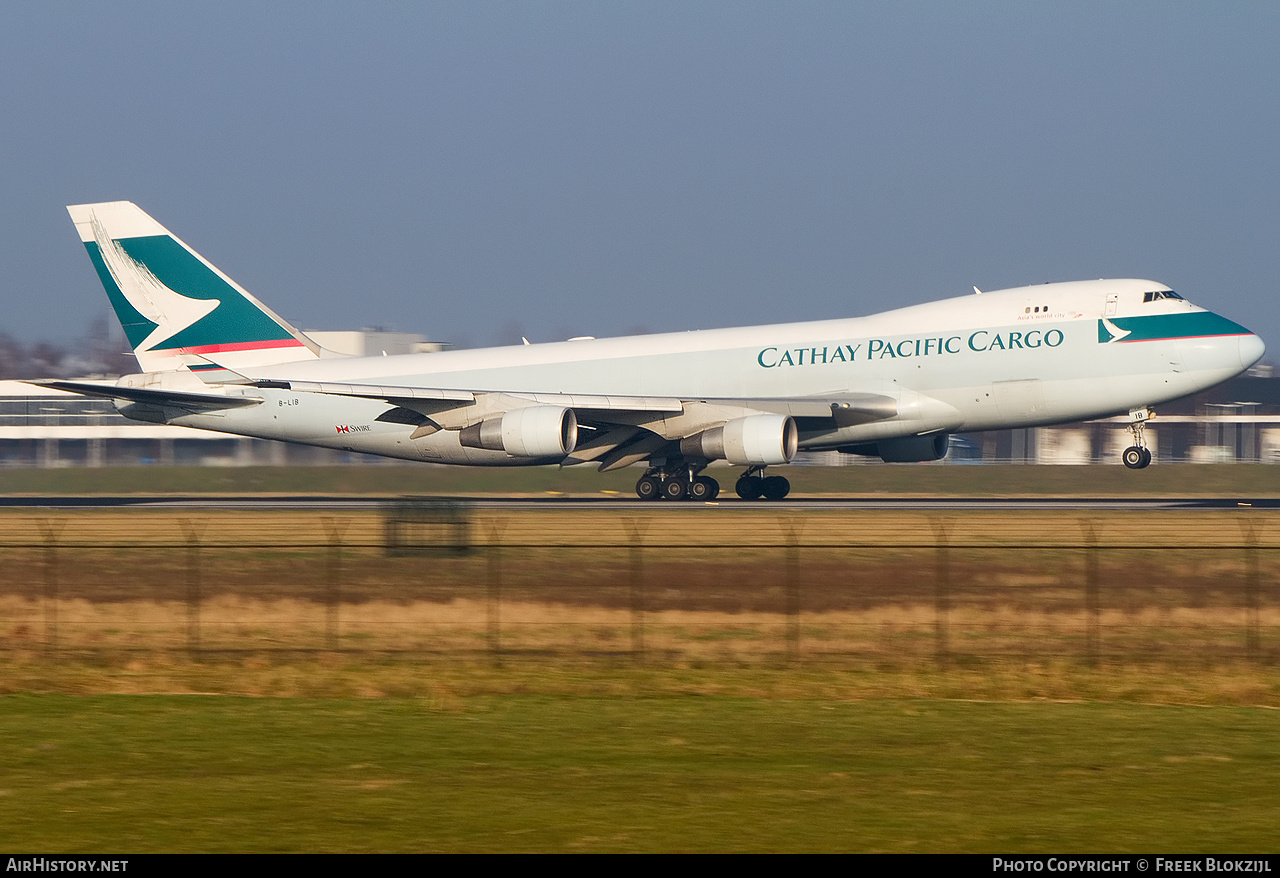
179 311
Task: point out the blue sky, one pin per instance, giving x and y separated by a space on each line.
477 171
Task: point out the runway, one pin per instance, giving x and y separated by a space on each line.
623 502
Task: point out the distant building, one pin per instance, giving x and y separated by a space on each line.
1238 421
50 428
374 342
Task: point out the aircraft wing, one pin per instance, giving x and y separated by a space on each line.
869 403
443 399
449 398
845 408
438 408
620 429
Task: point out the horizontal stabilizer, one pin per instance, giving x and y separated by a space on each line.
151 396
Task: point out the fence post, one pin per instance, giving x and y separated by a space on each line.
334 528
1093 638
1250 528
636 528
52 529
193 532
495 529
942 590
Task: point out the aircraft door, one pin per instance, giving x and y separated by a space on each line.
1018 399
1109 310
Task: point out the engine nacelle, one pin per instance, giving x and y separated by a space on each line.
906 449
756 440
535 431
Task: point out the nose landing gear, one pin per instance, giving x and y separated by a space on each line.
1137 455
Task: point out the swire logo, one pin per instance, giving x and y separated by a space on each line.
352 428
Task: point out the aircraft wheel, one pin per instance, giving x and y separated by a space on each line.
648 488
675 489
1146 458
749 488
703 488
776 487
1134 457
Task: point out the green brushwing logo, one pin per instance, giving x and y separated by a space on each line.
1161 327
166 297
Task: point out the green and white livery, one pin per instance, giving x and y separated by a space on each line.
174 305
894 384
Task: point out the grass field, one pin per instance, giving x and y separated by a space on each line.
632 773
120 740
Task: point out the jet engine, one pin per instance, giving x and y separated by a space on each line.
907 449
755 440
534 431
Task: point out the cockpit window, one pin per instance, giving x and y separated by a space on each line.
1160 294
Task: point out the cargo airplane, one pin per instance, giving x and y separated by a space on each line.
892 385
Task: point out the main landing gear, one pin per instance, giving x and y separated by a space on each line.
1137 455
754 485
683 484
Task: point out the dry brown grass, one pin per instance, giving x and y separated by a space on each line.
892 633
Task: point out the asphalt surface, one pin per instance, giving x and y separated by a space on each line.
621 502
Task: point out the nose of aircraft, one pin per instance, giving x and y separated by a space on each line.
1251 350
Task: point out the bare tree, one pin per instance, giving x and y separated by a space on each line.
12 356
102 350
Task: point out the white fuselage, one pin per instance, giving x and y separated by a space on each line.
1022 357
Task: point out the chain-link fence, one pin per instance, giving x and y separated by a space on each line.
689 586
